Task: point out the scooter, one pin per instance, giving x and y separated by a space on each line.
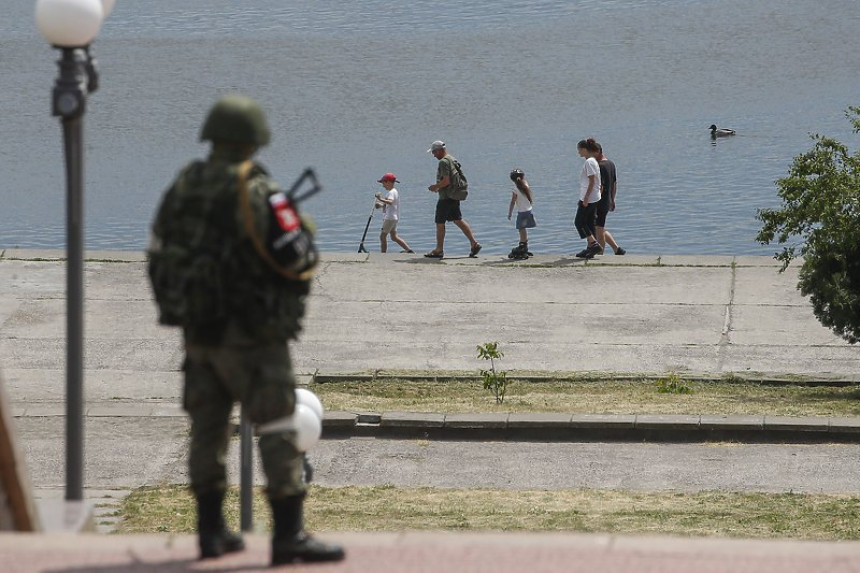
361 248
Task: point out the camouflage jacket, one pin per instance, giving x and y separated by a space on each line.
242 300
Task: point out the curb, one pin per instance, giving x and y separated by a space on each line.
559 427
531 426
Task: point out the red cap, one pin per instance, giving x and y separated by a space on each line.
388 177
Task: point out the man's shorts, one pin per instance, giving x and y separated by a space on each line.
602 211
526 220
388 225
447 210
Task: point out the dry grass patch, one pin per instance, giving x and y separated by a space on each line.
592 397
387 508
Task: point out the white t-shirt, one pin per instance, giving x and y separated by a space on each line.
391 211
523 204
591 167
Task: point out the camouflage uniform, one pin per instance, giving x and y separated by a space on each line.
242 355
237 315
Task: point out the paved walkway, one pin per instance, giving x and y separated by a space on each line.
374 314
714 315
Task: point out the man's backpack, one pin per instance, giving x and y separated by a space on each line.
459 183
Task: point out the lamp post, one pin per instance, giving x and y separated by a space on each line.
70 26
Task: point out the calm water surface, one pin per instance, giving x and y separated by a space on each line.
356 89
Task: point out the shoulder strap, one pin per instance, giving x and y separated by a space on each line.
457 167
463 181
248 220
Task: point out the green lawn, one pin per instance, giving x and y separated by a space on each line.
169 508
386 508
592 397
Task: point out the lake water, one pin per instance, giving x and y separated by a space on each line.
356 89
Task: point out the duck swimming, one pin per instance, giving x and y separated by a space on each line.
721 131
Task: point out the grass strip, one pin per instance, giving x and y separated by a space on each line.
386 508
593 397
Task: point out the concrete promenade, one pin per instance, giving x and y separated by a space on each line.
631 314
382 314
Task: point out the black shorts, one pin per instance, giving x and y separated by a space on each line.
602 211
447 210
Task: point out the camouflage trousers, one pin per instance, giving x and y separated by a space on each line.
260 377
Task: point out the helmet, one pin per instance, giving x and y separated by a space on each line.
236 119
517 174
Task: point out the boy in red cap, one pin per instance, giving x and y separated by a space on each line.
390 205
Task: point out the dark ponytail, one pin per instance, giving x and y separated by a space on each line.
590 144
523 186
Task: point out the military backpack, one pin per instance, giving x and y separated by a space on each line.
191 261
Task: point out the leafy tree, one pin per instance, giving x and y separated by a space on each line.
819 220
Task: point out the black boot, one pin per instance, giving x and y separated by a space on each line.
291 543
214 538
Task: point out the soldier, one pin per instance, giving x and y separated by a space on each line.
238 307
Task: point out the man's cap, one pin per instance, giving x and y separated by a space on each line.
388 177
436 146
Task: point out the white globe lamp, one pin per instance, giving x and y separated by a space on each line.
311 400
304 422
308 427
69 23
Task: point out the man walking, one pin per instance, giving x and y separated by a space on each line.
448 208
609 185
214 274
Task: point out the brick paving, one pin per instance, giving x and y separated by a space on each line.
416 552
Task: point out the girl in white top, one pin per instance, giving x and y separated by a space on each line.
589 196
523 199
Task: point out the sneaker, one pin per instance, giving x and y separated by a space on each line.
583 254
620 251
475 250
